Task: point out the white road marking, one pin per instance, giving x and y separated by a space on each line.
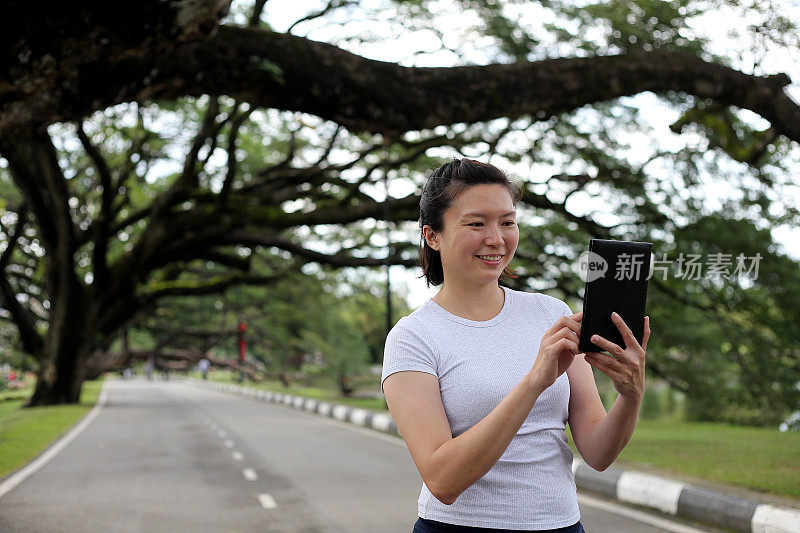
229 443
639 516
221 434
56 448
237 456
249 474
267 501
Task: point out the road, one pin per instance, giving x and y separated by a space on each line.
167 456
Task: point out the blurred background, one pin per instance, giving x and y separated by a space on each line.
191 214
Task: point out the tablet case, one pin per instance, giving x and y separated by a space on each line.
606 294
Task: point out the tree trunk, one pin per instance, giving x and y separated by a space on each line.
60 380
63 361
344 385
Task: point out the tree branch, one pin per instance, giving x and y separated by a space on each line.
281 71
23 318
252 238
201 287
101 224
255 16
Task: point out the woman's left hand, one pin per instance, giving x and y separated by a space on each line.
625 366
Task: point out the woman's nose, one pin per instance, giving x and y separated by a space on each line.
493 234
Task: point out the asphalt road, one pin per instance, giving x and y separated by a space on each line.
167 456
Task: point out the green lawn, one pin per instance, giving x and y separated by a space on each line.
756 459
25 433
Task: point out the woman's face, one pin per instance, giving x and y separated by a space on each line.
480 235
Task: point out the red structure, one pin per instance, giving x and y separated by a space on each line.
242 342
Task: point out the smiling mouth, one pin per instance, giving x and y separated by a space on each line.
491 259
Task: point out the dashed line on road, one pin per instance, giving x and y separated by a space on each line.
371 432
237 456
665 525
249 474
221 434
229 443
267 501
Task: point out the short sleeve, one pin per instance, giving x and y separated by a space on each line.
554 308
408 348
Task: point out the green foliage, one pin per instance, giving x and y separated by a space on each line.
716 182
630 25
728 132
732 334
25 433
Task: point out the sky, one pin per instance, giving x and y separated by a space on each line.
716 26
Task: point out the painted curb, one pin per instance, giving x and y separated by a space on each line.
665 495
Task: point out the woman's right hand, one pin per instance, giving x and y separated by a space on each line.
557 351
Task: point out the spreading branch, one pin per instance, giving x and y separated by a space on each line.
281 71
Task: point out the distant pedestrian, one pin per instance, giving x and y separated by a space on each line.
481 380
202 366
148 368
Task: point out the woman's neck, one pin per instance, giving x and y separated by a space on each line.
475 304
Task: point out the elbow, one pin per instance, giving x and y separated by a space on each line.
599 467
447 497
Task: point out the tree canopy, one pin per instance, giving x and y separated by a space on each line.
160 149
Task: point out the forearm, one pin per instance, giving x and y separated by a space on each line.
610 436
460 462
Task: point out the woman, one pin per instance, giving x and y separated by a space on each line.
483 415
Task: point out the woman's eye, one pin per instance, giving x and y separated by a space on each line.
510 222
476 223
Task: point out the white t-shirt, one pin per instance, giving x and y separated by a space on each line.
478 363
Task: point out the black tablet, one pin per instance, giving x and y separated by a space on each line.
616 275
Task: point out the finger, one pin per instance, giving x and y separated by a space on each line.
608 346
646 335
608 361
574 325
566 333
596 362
555 327
566 345
627 334
562 322
571 323
567 339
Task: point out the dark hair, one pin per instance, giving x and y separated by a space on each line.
444 184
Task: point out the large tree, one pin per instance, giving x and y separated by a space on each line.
101 223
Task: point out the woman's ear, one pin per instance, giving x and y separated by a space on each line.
431 237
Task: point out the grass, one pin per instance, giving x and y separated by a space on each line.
11 395
25 433
757 459
761 460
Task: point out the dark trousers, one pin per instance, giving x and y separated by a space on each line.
423 525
